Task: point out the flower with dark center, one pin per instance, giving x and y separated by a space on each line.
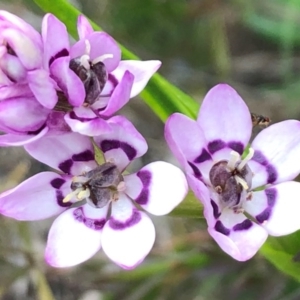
246 194
98 204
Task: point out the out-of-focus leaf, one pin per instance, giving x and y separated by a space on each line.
284 253
43 289
161 96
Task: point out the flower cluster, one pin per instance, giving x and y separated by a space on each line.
54 97
247 192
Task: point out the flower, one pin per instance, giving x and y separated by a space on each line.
108 213
230 180
104 82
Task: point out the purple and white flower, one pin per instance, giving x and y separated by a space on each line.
230 179
125 232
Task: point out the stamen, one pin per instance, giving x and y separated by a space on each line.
121 186
71 195
85 61
102 58
234 157
242 182
83 194
80 179
246 159
87 47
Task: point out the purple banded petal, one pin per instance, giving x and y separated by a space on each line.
37 198
277 150
142 71
101 44
84 27
43 87
237 236
13 68
120 95
129 234
189 149
123 144
158 187
71 152
55 39
14 91
91 125
75 236
8 20
20 139
68 81
277 208
26 50
56 123
225 120
22 114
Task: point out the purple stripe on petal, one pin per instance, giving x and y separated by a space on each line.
118 225
113 80
271 196
96 224
196 171
215 146
264 216
143 197
236 146
57 183
84 156
221 228
107 145
75 117
204 156
215 207
145 177
272 174
63 52
59 199
66 166
245 225
259 158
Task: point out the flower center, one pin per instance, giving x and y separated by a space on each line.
98 186
92 73
232 180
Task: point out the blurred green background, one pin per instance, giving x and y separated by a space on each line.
252 45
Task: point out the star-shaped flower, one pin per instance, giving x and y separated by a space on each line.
246 194
109 213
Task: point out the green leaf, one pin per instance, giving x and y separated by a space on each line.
161 96
284 253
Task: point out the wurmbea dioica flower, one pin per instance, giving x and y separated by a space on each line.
125 232
246 194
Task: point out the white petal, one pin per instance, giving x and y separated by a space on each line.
75 236
277 208
158 187
129 234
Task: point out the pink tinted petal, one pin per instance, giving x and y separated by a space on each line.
84 27
55 39
68 81
101 44
10 20
26 50
37 198
20 139
123 144
12 67
225 120
277 208
142 71
22 114
90 126
158 187
237 236
42 87
129 234
120 95
71 152
277 150
75 236
14 91
190 149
